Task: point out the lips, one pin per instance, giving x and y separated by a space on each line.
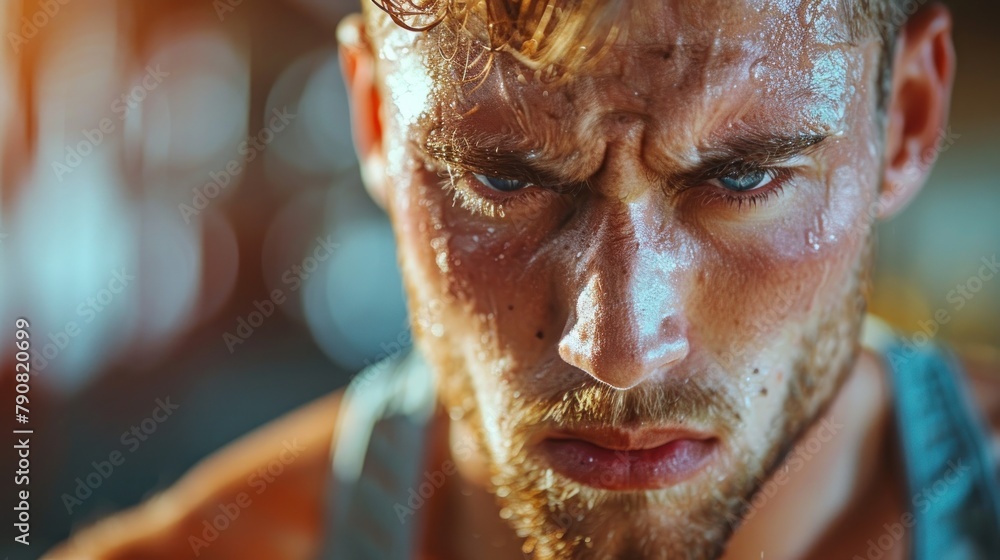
628 460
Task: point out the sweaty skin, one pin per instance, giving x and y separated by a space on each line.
626 267
576 264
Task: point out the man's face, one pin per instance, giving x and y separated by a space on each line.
638 285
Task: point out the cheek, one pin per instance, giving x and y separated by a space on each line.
759 287
418 227
472 281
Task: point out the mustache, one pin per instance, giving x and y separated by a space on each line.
691 401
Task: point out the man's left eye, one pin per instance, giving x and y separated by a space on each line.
499 184
746 181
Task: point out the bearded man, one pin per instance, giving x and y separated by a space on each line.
636 238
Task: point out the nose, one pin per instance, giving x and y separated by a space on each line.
626 324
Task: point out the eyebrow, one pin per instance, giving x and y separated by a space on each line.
498 156
749 152
515 158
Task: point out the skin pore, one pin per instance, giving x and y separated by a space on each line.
677 237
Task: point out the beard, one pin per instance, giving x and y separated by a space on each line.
562 519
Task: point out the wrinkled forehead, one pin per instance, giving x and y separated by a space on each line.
755 61
788 23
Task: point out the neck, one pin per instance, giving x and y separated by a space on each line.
824 478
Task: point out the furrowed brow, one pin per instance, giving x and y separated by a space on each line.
495 156
746 153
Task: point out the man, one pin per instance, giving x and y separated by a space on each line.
635 238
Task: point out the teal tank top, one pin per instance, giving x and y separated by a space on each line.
952 476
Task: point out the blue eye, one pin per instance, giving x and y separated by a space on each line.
746 181
502 185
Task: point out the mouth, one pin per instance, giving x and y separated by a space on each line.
614 459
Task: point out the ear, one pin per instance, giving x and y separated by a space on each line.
357 62
923 70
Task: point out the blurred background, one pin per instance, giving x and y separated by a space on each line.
181 217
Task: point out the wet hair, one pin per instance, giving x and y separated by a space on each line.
882 19
554 35
569 32
558 37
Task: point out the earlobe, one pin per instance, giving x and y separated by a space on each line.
917 113
357 62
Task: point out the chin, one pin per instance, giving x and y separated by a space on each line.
561 519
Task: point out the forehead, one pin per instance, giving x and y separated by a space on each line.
694 68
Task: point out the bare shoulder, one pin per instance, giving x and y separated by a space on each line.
260 497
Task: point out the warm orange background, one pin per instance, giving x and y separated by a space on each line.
229 64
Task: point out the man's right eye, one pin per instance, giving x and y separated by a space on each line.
500 184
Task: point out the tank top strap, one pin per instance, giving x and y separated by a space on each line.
376 461
951 475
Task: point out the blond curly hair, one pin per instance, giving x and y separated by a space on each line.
564 32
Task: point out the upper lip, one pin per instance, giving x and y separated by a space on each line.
622 439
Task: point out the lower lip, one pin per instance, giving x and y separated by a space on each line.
640 469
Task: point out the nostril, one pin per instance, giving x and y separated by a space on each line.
625 359
667 353
573 350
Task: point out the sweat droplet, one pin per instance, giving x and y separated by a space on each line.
442 262
440 246
812 240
